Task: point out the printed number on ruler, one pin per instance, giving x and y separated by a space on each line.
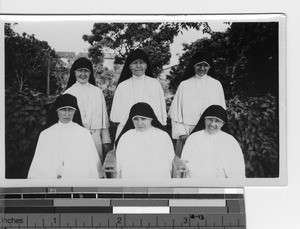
123 220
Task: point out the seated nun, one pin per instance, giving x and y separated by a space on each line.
144 150
65 149
210 151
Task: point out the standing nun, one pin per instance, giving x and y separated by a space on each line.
137 84
144 150
91 103
65 149
210 151
195 93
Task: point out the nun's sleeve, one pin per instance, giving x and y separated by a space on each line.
117 105
105 136
105 120
104 132
162 104
236 168
178 129
187 150
221 95
92 161
168 149
43 160
176 114
175 111
120 157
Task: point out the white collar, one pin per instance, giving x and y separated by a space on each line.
138 77
82 85
200 77
65 125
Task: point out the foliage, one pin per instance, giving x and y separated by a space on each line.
254 123
246 63
25 115
254 51
27 61
107 80
245 59
154 38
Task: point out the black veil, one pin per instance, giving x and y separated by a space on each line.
214 111
81 62
63 101
196 58
134 55
141 109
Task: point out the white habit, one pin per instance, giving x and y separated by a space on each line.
65 151
192 97
92 106
213 156
145 155
134 90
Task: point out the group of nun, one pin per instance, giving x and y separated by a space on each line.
76 137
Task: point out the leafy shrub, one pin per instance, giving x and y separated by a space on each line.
254 122
107 81
25 115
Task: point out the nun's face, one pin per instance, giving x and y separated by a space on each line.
82 75
65 114
201 69
138 67
213 125
141 123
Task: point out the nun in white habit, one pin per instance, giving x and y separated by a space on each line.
137 84
195 93
91 103
144 150
210 151
65 149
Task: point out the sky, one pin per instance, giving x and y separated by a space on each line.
67 35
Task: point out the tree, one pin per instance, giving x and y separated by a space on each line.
27 62
245 59
154 38
253 50
26 67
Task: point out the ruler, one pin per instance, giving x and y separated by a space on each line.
122 208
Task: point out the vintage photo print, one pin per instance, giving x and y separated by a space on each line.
143 100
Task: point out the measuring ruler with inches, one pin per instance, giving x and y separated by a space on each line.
60 207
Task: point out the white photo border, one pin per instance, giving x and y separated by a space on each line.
280 181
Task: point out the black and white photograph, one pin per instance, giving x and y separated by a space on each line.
144 100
